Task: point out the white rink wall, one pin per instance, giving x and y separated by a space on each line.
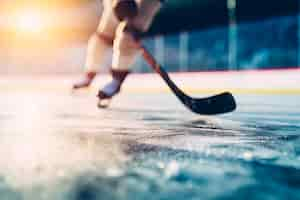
244 82
250 81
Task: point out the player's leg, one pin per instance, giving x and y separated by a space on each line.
125 49
98 44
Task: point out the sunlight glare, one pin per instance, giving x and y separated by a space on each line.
30 22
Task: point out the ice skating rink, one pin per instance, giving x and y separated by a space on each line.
55 144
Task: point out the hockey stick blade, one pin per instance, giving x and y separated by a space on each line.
218 104
213 105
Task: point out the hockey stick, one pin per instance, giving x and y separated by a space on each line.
218 104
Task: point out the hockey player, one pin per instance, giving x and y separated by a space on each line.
114 32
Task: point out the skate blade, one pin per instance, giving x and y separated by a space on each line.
80 91
103 103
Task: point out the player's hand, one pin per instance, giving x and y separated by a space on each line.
125 9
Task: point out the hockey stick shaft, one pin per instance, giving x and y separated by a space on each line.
158 69
217 104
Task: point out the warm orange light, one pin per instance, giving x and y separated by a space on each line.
29 22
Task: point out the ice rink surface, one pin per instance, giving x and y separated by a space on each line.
147 146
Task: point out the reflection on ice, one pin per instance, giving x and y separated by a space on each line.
35 151
62 147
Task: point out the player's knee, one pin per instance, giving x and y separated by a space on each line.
126 39
127 30
103 38
126 44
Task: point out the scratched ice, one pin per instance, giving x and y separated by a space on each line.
58 146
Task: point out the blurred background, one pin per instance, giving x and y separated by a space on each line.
50 36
